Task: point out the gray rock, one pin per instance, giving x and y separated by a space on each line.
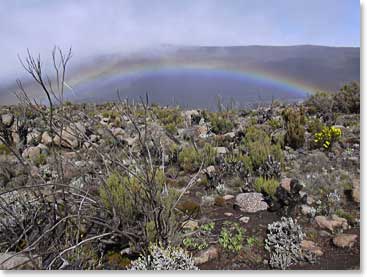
7 119
251 202
207 255
345 240
18 262
46 139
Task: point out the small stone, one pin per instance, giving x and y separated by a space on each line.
207 255
46 139
210 170
228 214
221 150
286 184
230 135
7 119
311 246
31 153
190 225
356 190
245 219
345 240
228 197
307 210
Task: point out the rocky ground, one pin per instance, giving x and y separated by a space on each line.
251 189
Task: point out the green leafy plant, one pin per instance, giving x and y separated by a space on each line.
231 236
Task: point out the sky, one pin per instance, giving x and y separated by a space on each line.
95 27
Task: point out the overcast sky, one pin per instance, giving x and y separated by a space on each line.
98 27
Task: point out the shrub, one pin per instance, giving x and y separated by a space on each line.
283 242
170 118
327 137
320 103
294 121
189 159
347 100
258 144
159 258
220 123
148 205
231 236
314 125
267 185
275 123
40 159
208 154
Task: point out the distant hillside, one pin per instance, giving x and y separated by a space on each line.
315 67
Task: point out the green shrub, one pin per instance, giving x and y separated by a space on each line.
267 185
275 123
208 154
231 236
327 137
258 144
314 125
189 159
221 123
347 100
294 121
320 103
170 118
40 159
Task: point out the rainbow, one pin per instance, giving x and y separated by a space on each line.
132 70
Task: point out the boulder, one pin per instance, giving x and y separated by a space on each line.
70 135
206 255
311 247
331 224
251 202
46 139
33 137
31 153
18 262
7 119
345 240
356 190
